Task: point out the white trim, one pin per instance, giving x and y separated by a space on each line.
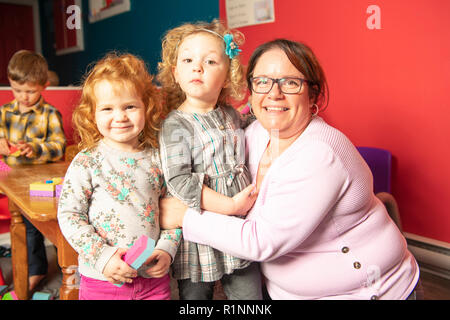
432 255
36 20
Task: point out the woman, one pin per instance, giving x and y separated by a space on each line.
317 227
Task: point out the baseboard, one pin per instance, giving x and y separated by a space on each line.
5 239
432 255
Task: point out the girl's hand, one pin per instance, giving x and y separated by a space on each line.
244 200
25 149
118 271
171 213
161 261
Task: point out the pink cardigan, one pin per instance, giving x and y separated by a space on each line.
317 228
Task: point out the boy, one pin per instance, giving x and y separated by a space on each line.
34 127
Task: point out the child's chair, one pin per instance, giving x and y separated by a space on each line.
5 216
71 152
379 162
5 219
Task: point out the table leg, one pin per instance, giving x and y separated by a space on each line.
19 252
68 261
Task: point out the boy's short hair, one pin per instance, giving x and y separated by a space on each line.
28 66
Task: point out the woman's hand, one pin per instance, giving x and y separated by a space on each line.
161 263
118 271
171 213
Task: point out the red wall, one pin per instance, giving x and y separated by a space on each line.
389 88
64 99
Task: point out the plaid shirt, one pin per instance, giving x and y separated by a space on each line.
41 127
199 149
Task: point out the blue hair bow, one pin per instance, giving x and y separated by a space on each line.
232 50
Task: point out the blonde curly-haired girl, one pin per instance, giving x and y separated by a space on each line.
202 150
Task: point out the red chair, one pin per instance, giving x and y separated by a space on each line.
5 216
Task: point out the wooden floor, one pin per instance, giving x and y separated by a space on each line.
435 287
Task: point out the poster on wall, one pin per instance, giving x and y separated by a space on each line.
102 9
241 13
68 26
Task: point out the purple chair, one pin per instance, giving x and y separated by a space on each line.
379 162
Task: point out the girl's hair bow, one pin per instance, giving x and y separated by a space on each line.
231 49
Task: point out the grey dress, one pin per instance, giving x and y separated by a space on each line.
199 149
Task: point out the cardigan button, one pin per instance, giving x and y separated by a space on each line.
221 127
345 249
357 265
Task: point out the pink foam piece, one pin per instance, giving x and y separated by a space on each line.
139 252
41 193
4 167
58 188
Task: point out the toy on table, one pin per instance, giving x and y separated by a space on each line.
13 151
4 167
49 188
141 250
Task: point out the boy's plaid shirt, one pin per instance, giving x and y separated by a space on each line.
41 127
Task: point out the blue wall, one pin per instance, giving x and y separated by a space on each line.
138 31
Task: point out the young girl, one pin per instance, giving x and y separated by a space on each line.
112 188
202 151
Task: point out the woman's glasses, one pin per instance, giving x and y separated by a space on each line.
287 85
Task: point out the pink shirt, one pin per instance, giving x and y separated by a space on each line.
317 228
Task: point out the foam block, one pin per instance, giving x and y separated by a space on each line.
10 296
42 186
141 250
39 193
4 167
47 188
42 296
13 151
58 189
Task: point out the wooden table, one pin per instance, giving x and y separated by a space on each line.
41 212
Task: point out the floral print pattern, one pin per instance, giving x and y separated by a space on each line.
108 200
